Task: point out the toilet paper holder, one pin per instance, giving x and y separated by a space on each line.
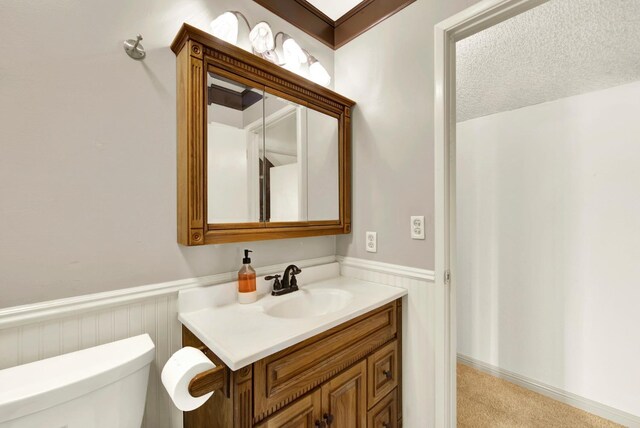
211 380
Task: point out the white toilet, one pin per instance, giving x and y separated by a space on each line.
100 387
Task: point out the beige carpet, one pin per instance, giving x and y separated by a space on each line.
486 401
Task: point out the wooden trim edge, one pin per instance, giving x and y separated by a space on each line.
362 18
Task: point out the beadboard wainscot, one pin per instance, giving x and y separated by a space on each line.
47 329
420 331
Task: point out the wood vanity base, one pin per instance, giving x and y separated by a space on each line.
346 377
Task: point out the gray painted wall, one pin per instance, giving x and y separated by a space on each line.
87 149
388 71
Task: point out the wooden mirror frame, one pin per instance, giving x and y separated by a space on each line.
197 54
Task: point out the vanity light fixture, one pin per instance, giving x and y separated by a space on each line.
225 27
317 72
264 43
294 56
261 38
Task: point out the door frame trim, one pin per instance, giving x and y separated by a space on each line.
472 20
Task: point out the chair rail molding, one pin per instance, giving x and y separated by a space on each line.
18 315
388 268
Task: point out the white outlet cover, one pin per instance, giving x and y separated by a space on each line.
417 227
372 242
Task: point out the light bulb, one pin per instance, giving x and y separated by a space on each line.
225 27
261 38
318 73
293 54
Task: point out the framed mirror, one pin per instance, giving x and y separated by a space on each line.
262 152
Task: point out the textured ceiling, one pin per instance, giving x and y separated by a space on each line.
334 9
559 49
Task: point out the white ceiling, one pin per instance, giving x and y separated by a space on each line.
334 9
559 49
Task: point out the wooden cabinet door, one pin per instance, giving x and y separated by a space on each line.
303 413
344 399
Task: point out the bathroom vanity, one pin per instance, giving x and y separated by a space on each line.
328 355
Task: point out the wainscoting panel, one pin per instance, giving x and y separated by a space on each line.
419 335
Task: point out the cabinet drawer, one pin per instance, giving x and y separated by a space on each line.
382 372
286 375
385 413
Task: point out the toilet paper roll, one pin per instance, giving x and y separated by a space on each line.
178 372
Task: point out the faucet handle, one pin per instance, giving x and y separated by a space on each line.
276 284
293 282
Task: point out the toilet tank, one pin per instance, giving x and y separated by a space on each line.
100 387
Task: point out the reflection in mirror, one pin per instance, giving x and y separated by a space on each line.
268 159
284 161
234 145
323 174
301 177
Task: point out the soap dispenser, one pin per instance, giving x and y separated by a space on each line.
247 292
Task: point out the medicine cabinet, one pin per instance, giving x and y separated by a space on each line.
263 153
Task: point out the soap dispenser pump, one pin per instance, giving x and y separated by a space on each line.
247 292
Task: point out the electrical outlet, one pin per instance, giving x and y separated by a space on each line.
372 242
417 227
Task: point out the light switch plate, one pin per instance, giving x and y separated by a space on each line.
417 227
372 242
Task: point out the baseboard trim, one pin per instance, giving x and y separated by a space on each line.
18 315
599 409
388 268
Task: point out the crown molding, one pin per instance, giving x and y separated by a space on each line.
308 18
305 16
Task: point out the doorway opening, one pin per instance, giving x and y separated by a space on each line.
522 194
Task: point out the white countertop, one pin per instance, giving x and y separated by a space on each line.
243 334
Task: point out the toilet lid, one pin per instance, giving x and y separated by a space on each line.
36 386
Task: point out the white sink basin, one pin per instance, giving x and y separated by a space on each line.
310 303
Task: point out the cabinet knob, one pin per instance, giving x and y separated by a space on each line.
328 418
387 374
320 424
386 425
